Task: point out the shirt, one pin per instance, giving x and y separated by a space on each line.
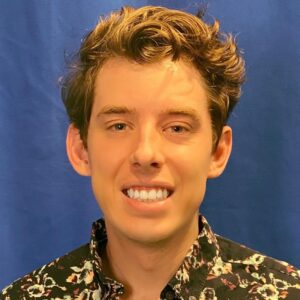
214 268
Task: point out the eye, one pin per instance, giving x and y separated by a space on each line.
178 129
118 127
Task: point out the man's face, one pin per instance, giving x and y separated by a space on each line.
149 147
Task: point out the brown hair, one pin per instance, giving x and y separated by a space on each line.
150 34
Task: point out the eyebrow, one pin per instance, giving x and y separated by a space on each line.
185 112
113 110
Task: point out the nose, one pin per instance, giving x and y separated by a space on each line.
147 153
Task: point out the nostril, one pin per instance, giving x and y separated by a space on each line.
155 164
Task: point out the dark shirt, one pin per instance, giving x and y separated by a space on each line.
214 269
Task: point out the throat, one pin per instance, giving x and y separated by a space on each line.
143 276
146 266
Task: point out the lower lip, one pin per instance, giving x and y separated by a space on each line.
147 207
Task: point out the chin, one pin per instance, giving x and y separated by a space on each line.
151 233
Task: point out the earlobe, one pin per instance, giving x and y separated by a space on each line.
76 152
221 154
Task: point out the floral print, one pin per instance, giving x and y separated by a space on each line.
214 269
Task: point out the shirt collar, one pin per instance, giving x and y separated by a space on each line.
189 278
110 288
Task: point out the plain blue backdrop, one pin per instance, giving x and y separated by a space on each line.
46 209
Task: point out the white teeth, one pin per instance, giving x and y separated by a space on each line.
159 194
136 194
165 193
130 193
148 195
143 195
152 195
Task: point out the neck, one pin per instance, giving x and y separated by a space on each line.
145 269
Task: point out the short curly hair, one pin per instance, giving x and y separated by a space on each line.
150 34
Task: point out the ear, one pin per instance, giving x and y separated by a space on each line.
221 154
77 153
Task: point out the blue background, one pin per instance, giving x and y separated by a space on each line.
46 209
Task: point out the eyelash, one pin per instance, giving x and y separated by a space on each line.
182 129
176 129
113 127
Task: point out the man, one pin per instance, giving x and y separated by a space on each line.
148 104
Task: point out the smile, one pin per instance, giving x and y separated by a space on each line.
147 195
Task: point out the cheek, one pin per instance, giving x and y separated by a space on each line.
104 165
192 163
193 179
105 159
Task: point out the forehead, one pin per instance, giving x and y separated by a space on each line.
125 81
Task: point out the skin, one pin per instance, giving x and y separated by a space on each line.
150 127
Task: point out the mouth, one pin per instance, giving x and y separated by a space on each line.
148 194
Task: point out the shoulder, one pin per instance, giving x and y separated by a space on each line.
241 255
60 278
256 272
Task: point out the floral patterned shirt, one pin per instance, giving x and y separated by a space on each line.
214 269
